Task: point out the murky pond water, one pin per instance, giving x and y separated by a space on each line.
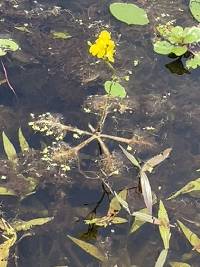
57 76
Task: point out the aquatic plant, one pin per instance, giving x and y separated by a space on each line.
129 13
178 40
104 47
7 45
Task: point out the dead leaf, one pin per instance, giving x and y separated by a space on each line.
130 157
146 191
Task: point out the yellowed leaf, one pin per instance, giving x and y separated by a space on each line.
27 225
164 226
9 149
162 258
22 141
89 248
179 264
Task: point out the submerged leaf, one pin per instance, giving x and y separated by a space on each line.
27 225
9 149
129 13
22 141
6 192
5 250
61 35
146 191
153 162
195 9
162 258
138 222
179 264
194 62
114 89
115 206
192 237
7 45
130 157
164 225
89 248
146 217
192 186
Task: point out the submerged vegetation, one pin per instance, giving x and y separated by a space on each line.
102 154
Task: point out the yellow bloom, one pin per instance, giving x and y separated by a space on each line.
104 47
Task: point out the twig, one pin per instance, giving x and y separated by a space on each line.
7 80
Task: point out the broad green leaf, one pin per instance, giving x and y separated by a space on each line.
154 161
89 248
132 159
192 186
163 47
176 35
115 206
179 50
191 35
179 264
162 258
61 35
27 225
6 192
9 149
164 226
22 141
129 13
146 191
138 222
195 9
7 45
114 89
193 62
191 237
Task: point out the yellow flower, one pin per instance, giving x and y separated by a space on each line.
104 47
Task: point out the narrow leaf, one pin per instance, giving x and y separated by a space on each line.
115 206
138 222
164 225
27 225
193 186
151 163
89 248
146 191
179 264
5 250
9 149
146 217
130 157
6 192
191 237
162 258
22 141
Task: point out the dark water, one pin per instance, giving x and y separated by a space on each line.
56 76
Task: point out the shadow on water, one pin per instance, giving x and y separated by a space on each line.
53 75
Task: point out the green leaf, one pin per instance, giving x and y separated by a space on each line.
129 13
179 50
5 250
118 220
191 35
195 9
179 264
164 226
9 149
193 62
89 248
61 35
22 141
146 217
162 258
115 206
163 47
22 29
7 45
138 222
114 89
192 237
192 186
6 192
27 225
176 35
130 157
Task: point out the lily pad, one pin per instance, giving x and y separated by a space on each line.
114 89
195 9
129 13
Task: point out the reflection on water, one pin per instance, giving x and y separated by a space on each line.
53 75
